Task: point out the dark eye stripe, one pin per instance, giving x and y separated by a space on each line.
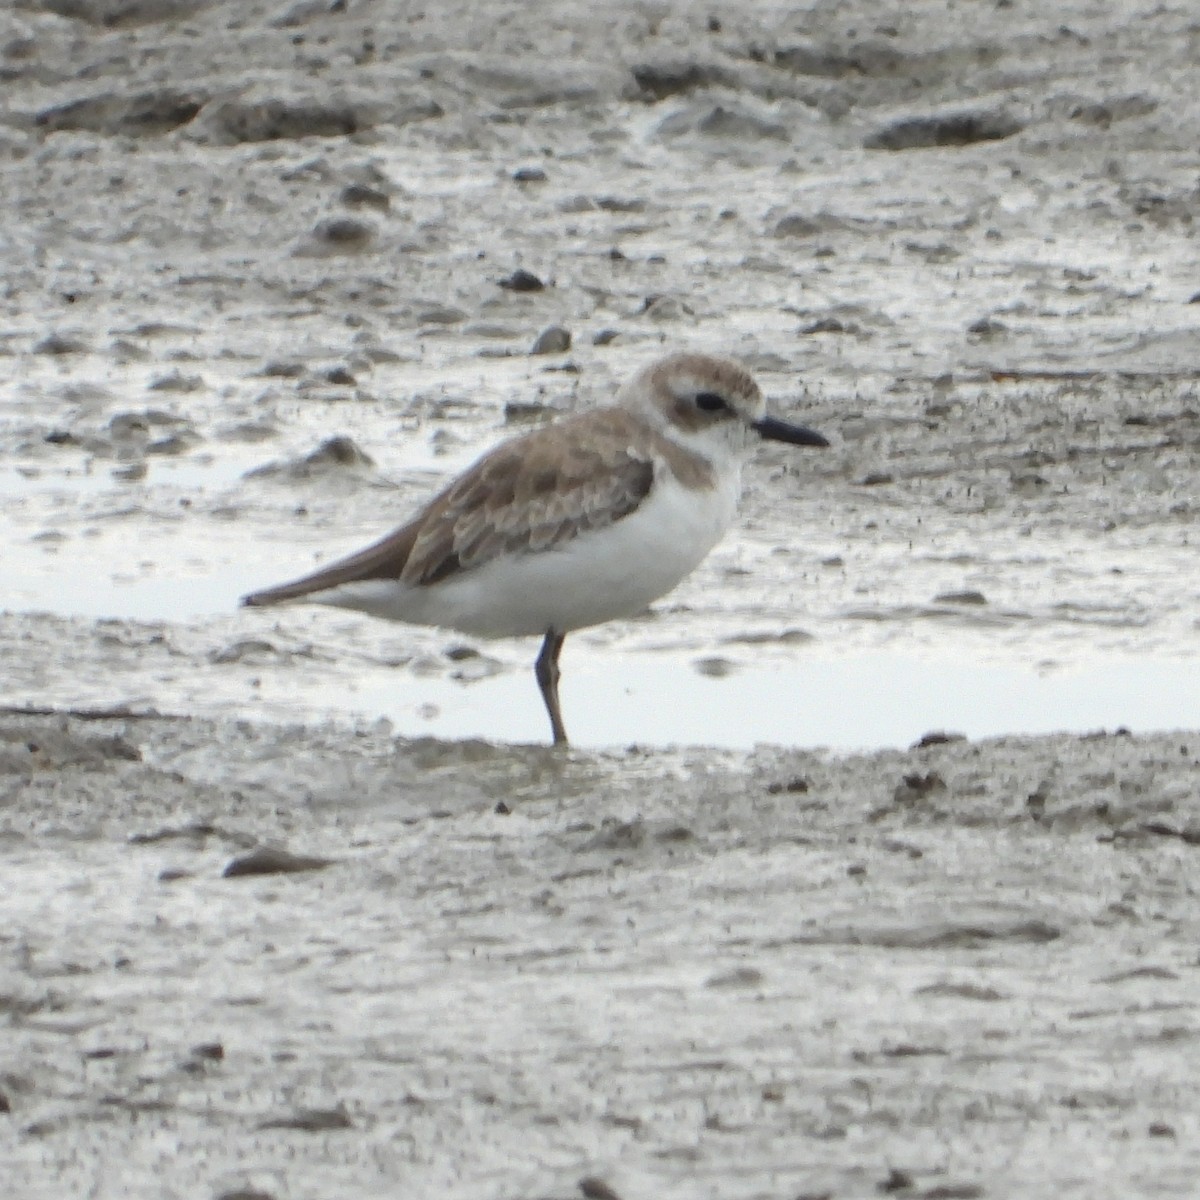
710 402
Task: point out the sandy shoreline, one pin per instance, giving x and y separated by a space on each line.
788 974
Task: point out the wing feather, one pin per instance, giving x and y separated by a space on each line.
532 495
527 496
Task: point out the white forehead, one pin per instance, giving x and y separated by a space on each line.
683 376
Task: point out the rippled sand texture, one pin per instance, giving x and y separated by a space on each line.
270 271
494 972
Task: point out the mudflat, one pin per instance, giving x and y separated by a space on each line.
292 905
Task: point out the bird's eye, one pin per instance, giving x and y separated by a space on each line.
710 402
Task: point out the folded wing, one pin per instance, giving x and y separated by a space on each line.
527 496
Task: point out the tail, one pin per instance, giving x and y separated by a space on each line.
383 560
275 595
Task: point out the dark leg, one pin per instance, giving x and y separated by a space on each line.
547 672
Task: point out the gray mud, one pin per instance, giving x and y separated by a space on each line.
271 271
495 971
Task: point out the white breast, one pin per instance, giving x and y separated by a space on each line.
599 576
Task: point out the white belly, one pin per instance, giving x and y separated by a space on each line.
599 576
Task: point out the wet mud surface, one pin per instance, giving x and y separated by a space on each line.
331 961
271 271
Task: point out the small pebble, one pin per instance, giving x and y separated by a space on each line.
339 235
896 1181
967 598
268 860
595 1188
554 340
312 1120
522 281
358 195
59 344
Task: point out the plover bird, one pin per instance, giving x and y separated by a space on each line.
582 521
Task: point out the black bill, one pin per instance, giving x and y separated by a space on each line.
775 430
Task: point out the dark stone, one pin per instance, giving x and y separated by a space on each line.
823 325
947 129
896 1181
969 598
657 81
312 1120
358 195
731 123
554 340
274 119
796 225
916 786
339 451
522 281
59 344
595 1188
938 738
114 14
987 327
146 114
268 860
344 233
873 59
797 785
